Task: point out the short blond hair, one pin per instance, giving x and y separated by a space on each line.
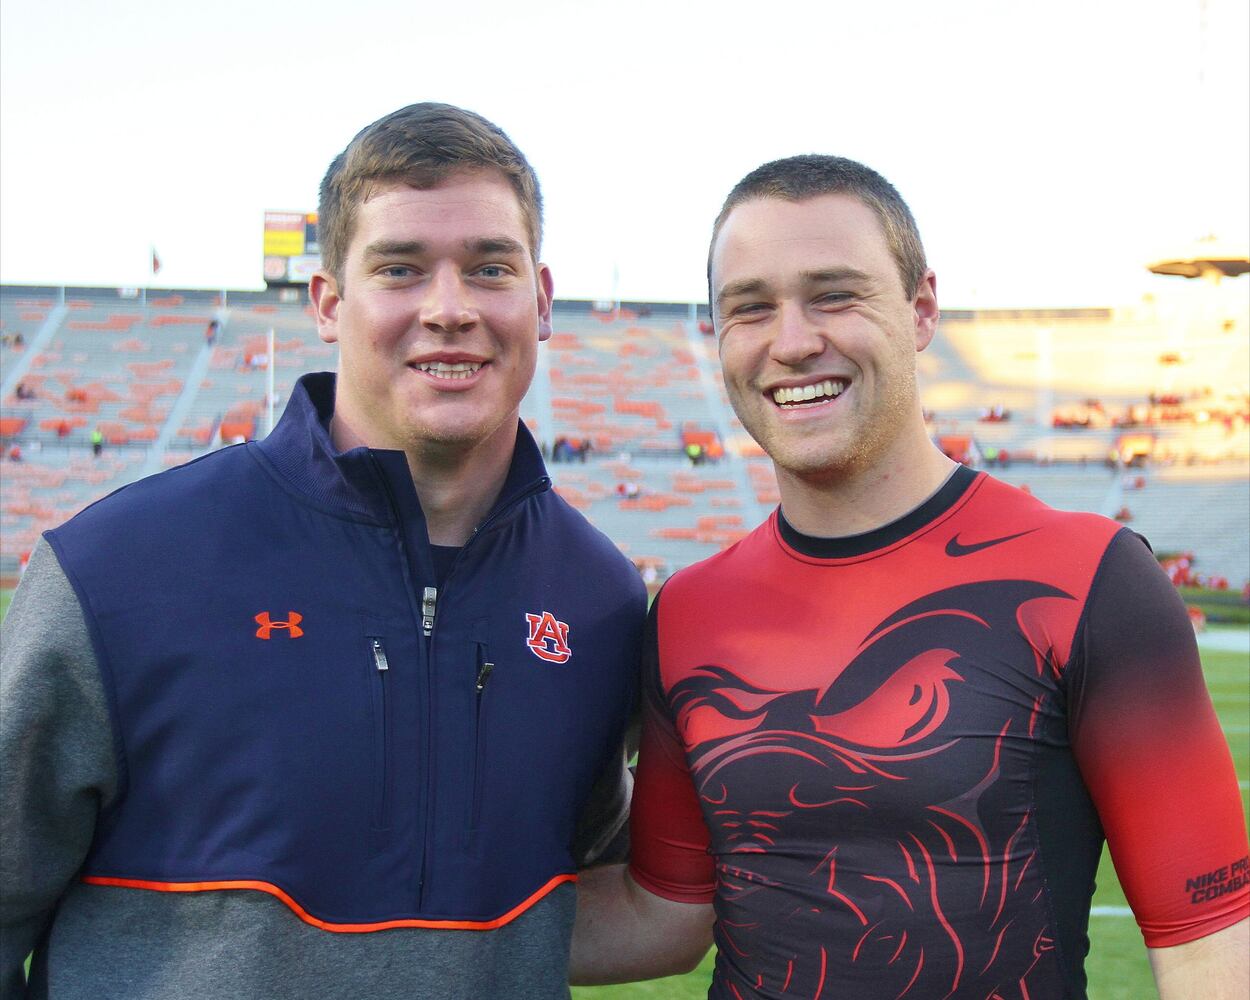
798 178
420 145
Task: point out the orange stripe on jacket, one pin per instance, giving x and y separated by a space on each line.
325 925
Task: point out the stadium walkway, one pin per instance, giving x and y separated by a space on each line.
18 370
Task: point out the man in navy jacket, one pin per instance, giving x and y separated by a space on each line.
341 712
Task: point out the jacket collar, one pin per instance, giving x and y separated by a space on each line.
354 481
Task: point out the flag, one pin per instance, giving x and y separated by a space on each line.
156 262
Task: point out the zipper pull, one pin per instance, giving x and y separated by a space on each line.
428 601
379 656
483 676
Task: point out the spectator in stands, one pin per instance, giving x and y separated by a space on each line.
210 333
886 731
23 391
62 428
259 746
97 442
15 453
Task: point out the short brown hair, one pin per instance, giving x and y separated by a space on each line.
420 145
798 178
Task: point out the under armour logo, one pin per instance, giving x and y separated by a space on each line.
291 625
548 638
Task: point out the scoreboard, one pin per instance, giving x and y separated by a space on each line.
292 252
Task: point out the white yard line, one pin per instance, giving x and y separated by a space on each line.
1110 911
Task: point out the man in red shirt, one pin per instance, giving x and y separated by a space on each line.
885 734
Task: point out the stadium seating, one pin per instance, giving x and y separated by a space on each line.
636 384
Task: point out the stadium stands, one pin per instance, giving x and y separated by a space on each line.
637 384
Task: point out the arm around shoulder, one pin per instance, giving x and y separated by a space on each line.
624 932
1216 966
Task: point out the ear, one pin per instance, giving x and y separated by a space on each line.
546 296
323 291
925 306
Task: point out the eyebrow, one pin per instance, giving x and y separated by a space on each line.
835 274
753 286
505 245
744 286
393 248
386 249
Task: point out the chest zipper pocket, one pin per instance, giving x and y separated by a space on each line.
379 681
484 670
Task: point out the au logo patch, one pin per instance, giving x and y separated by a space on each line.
548 639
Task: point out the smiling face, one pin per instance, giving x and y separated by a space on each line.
818 338
438 319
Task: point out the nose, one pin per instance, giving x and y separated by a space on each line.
796 337
448 305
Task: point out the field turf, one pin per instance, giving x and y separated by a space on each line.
1117 964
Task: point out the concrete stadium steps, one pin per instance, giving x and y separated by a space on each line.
234 388
682 513
631 379
116 364
1039 362
49 486
623 381
24 315
1066 487
1200 509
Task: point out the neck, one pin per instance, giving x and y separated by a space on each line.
851 502
456 499
458 488
457 484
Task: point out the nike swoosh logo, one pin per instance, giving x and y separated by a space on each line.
955 549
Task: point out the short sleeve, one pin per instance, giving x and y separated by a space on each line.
669 836
1152 753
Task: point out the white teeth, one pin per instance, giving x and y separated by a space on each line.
456 370
803 394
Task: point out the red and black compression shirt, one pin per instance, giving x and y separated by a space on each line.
890 760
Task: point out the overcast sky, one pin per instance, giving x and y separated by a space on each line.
1048 151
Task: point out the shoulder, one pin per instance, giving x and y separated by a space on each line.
152 514
702 585
573 537
1001 507
201 482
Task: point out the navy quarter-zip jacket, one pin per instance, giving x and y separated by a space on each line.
296 712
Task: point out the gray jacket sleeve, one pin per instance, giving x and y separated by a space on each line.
57 766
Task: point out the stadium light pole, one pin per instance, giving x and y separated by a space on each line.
269 387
